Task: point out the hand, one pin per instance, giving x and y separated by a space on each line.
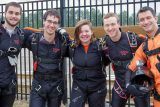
134 90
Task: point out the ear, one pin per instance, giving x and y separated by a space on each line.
156 18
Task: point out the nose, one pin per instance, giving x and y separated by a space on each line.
145 21
14 15
83 33
109 27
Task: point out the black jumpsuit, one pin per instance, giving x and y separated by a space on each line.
47 85
89 80
120 54
8 79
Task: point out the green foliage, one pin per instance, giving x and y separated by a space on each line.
72 16
159 18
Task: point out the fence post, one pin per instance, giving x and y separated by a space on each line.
62 4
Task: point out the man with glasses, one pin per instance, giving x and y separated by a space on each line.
48 52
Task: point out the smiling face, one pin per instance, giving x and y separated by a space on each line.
111 26
148 22
85 34
51 24
12 16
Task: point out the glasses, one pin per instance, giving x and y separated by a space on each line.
50 22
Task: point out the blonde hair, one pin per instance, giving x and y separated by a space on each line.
108 15
78 30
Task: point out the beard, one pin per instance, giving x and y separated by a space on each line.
9 23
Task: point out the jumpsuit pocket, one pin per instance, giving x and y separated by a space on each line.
39 89
11 88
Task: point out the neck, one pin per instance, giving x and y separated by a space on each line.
9 27
153 33
49 38
116 38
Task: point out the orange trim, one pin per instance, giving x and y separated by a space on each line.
86 48
33 29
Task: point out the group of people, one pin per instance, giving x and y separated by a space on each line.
90 56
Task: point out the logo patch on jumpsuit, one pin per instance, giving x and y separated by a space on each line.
124 52
17 42
55 50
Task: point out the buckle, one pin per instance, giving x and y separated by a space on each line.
12 49
38 88
1 52
58 89
13 82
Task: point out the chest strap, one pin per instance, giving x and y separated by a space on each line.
120 63
47 60
88 68
150 52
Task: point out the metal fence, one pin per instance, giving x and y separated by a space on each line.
72 11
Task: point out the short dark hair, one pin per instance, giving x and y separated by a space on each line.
52 12
146 8
14 4
108 15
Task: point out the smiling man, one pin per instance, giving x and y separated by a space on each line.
48 51
149 51
10 46
120 49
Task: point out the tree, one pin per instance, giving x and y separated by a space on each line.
72 16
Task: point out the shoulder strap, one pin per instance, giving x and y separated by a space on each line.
35 44
150 52
21 34
71 52
132 39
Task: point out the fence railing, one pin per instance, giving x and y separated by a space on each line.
72 11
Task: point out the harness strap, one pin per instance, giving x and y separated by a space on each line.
49 76
152 52
47 60
119 90
156 95
88 68
120 63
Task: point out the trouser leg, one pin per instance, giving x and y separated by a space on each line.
117 101
97 98
7 100
142 101
36 100
55 96
78 97
8 94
